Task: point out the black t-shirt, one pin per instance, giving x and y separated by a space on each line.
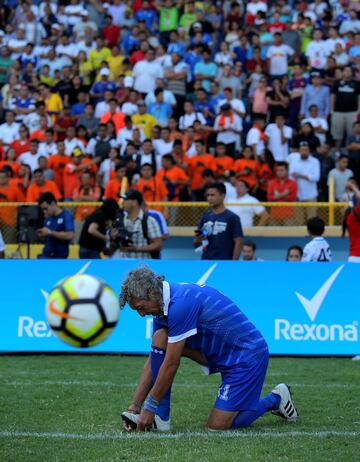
88 240
346 95
277 110
312 140
221 229
64 87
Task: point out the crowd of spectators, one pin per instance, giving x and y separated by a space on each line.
167 97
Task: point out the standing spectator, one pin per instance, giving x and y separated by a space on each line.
146 72
352 225
344 106
205 70
251 207
327 163
144 121
110 32
219 234
189 117
319 124
256 137
318 249
176 75
316 94
160 110
282 189
197 165
9 131
73 171
278 136
229 128
278 100
58 229
152 189
31 158
341 174
278 55
306 171
317 51
228 80
118 185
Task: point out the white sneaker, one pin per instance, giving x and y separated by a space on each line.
287 409
159 424
356 358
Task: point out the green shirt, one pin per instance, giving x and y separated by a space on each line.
5 64
187 19
169 19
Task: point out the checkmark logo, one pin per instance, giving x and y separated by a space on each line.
313 305
206 275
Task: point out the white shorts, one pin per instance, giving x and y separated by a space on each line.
354 259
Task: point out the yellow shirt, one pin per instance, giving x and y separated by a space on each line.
85 70
47 79
54 104
146 122
115 64
96 57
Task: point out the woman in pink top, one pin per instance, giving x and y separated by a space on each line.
259 104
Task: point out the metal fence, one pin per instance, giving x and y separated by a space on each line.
188 214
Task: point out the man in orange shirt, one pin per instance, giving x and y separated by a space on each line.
73 171
196 166
85 193
152 189
282 189
57 164
39 186
247 168
114 115
8 193
224 163
174 178
119 185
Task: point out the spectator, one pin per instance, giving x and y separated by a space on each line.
151 188
73 171
58 229
316 94
278 136
344 106
93 237
318 249
327 163
278 55
119 185
146 72
31 158
353 148
187 120
306 171
256 137
197 165
2 246
9 131
40 186
319 124
229 128
176 74
160 110
294 253
341 174
173 176
249 251
251 207
219 233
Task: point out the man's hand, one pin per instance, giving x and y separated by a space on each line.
145 421
135 409
43 232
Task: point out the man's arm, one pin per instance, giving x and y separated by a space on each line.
238 243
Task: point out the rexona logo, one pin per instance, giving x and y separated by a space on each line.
286 330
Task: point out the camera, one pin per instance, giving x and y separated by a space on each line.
124 237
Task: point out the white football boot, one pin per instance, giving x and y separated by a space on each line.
287 409
159 424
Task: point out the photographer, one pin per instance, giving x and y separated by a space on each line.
135 233
58 230
93 237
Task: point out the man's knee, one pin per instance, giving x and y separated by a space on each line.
160 338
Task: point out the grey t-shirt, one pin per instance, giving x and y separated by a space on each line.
341 179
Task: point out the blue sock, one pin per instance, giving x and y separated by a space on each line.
267 403
157 356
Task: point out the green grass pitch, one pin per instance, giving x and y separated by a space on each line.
66 408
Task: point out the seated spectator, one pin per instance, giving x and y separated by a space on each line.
197 165
31 158
160 110
73 171
40 185
223 162
152 189
9 130
250 210
341 175
119 185
319 124
229 128
174 178
246 168
57 163
86 192
249 251
294 253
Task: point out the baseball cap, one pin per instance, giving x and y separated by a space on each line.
225 107
316 74
197 25
228 89
105 71
132 195
77 152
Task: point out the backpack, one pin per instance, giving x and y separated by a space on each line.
155 255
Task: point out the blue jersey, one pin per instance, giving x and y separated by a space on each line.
210 322
57 248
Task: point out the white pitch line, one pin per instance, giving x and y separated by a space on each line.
90 383
174 436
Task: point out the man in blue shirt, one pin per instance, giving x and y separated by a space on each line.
201 323
219 232
58 229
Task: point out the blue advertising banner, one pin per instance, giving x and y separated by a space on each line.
300 308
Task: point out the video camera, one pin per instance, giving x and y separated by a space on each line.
124 237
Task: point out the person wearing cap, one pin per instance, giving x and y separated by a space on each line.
73 171
146 122
228 126
143 229
98 88
316 93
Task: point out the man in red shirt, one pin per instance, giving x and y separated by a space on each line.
352 224
282 189
110 32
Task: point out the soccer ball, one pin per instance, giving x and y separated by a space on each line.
82 310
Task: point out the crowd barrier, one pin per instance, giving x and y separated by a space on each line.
301 308
188 214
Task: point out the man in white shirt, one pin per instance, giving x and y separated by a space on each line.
104 106
316 51
189 117
32 120
31 158
229 128
319 124
169 96
48 147
248 212
278 136
256 137
341 175
306 171
254 6
318 249
9 131
146 72
236 104
71 142
126 134
278 55
162 146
